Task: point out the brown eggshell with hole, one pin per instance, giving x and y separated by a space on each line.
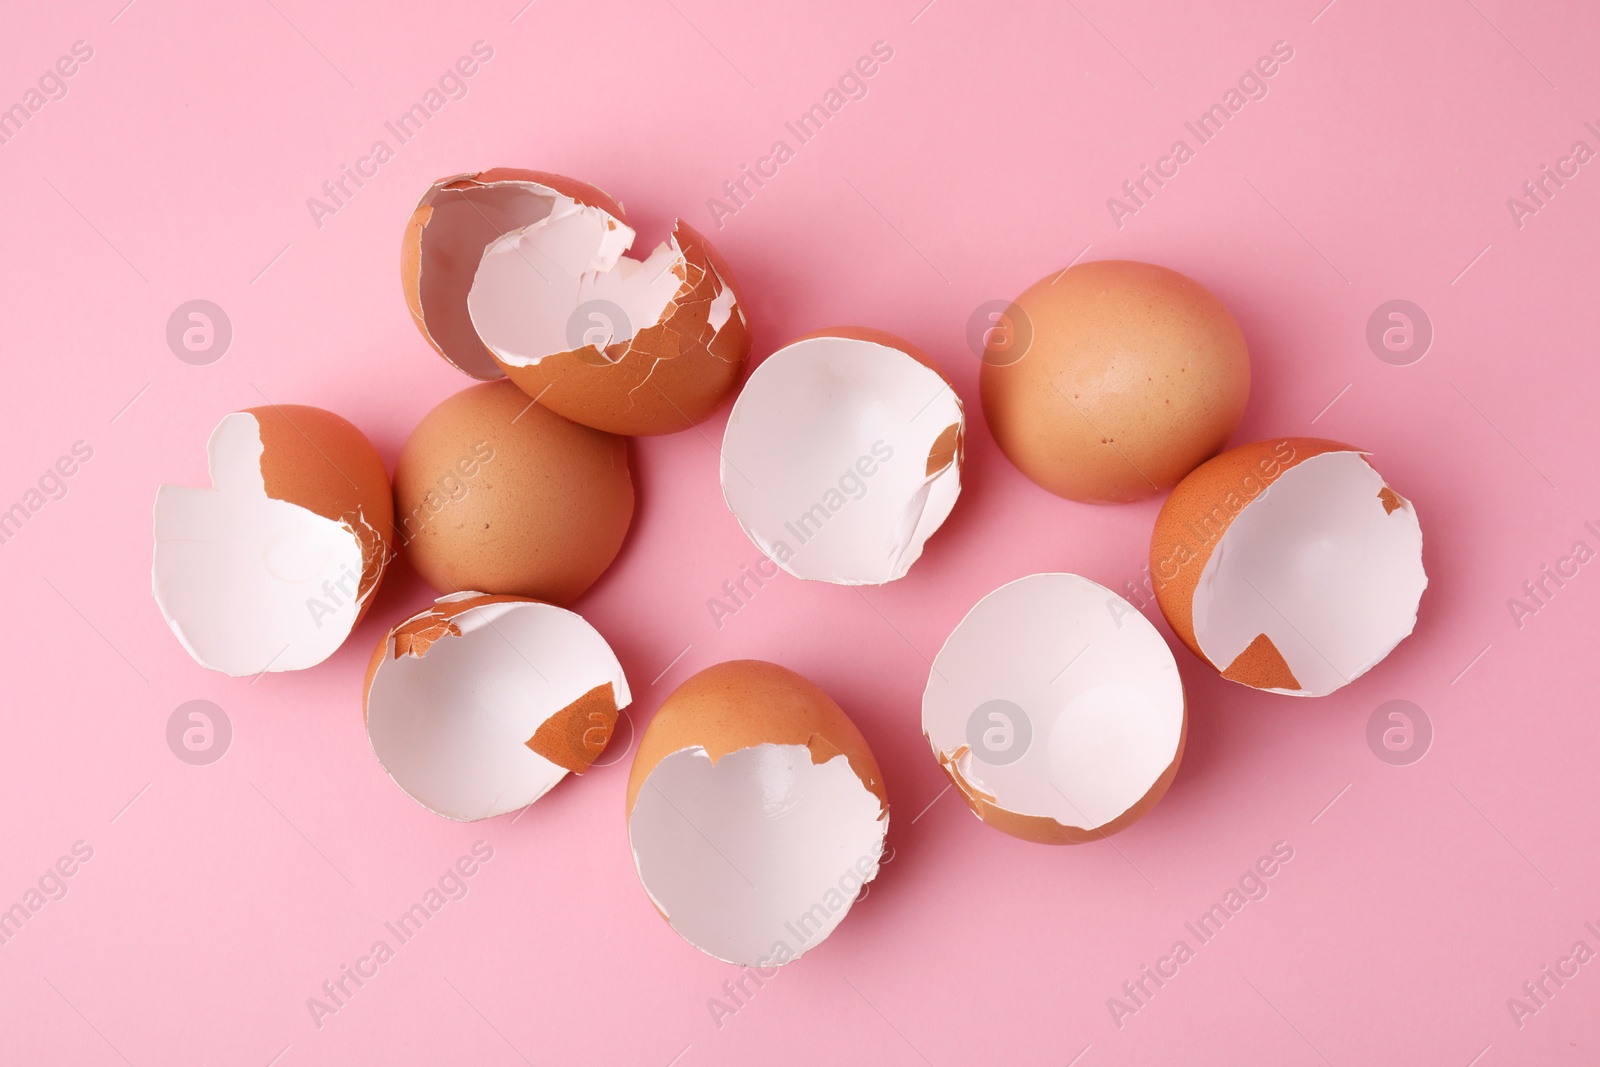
743 703
321 462
1133 375
542 516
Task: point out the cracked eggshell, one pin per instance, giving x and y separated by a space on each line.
756 812
479 705
523 274
495 492
1057 711
275 564
1134 375
843 455
1289 565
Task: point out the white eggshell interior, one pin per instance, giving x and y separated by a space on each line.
246 582
1096 682
463 223
451 726
824 462
1320 566
756 858
532 281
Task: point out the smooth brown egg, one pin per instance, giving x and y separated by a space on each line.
1114 380
497 494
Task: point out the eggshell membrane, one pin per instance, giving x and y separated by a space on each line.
1069 649
445 238
543 517
240 567
1134 375
524 714
820 802
1198 518
767 481
672 373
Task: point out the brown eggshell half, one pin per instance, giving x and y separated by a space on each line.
1365 573
1057 710
751 835
272 566
1133 376
452 224
494 492
494 700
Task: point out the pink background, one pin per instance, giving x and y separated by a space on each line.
219 898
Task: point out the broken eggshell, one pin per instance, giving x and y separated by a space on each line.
756 813
523 274
273 566
843 455
1056 710
1289 565
479 705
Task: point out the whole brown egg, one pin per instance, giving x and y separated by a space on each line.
496 494
1113 380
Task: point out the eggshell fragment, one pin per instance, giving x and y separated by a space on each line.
523 274
1289 565
479 705
1057 711
756 813
273 566
1134 375
495 492
843 455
